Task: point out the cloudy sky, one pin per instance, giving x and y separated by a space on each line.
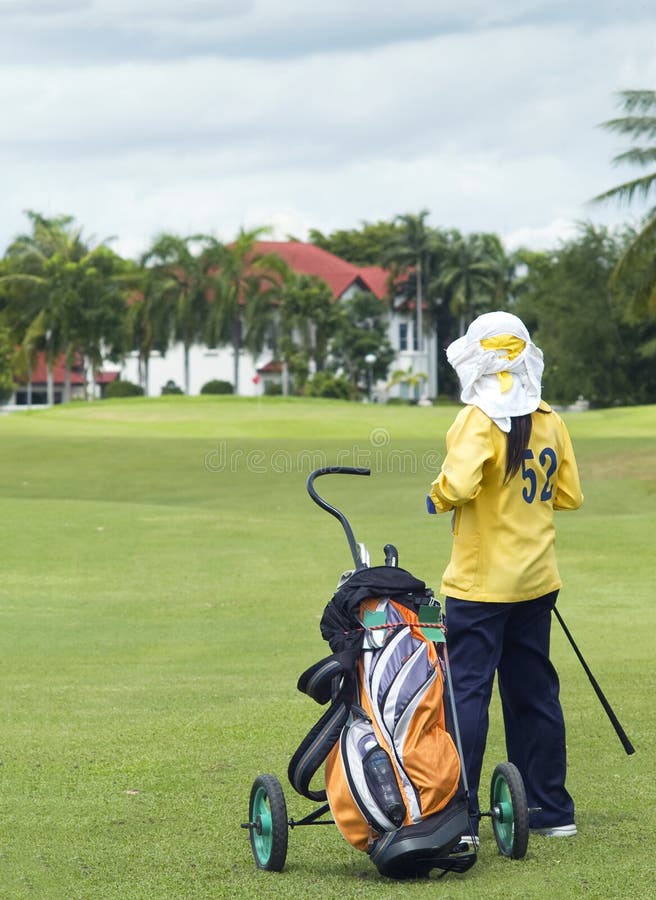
142 116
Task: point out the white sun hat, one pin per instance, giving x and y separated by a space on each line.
499 367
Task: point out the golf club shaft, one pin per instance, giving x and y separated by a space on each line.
621 733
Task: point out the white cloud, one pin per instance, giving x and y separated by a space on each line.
542 237
489 126
93 31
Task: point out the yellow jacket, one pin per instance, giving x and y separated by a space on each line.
503 534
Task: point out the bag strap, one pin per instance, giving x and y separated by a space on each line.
318 683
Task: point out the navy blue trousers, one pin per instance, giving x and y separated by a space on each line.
512 640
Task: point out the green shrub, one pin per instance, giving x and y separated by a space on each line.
171 388
272 389
398 401
123 389
216 386
325 384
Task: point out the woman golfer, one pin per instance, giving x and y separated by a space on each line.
509 464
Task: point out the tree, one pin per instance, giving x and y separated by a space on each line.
412 380
150 317
308 317
184 273
364 246
6 362
245 286
410 248
263 293
471 276
416 256
63 297
591 344
639 123
361 330
99 328
36 277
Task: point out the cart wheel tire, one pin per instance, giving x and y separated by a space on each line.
268 826
509 811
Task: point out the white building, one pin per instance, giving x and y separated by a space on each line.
344 279
206 364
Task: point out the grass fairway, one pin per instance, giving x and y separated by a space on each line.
163 577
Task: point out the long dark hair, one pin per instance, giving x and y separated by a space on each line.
518 440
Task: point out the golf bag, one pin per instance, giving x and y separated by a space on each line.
392 770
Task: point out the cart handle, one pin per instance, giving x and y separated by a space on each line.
338 470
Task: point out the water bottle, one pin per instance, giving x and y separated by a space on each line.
382 783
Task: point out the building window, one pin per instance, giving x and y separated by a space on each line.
407 336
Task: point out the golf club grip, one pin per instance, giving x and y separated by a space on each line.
391 555
312 491
621 733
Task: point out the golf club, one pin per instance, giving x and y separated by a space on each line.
621 733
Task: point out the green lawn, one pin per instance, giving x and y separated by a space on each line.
164 574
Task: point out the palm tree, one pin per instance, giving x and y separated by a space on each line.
6 361
245 288
150 318
60 294
184 272
37 301
470 276
413 248
639 123
413 380
99 328
417 252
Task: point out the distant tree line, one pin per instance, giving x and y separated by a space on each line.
64 295
590 302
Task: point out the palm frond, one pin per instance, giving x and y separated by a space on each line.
637 156
35 331
641 100
648 349
641 245
636 126
20 278
625 192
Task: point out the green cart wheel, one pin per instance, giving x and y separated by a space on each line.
267 823
509 811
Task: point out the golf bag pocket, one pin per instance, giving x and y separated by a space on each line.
368 772
358 812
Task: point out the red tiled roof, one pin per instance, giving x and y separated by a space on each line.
338 274
106 377
274 367
378 279
39 373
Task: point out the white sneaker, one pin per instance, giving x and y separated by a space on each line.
556 831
